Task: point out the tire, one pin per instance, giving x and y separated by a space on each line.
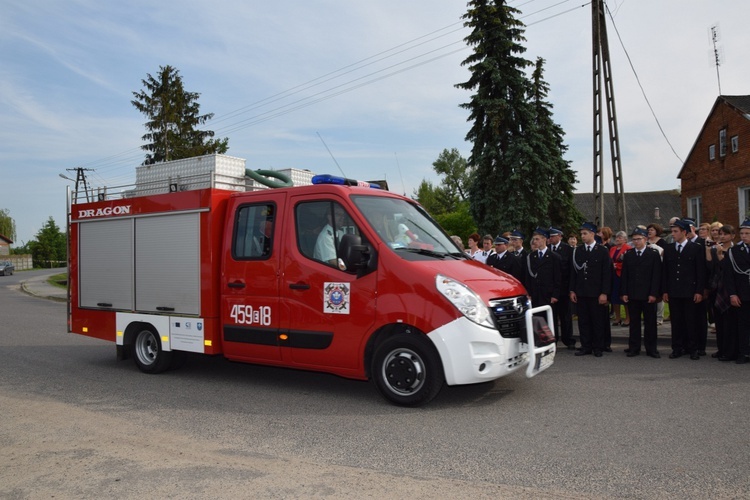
147 352
407 370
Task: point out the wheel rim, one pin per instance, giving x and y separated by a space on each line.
147 347
403 371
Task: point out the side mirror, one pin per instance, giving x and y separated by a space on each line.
353 254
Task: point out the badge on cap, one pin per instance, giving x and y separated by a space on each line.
589 226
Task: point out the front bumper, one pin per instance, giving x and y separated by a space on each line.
473 354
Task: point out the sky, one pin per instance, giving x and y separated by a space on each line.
375 80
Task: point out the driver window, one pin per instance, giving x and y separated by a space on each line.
320 226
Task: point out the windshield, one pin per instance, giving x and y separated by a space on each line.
404 225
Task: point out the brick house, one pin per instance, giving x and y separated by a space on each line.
715 178
5 244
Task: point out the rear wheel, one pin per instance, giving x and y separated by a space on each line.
407 370
148 354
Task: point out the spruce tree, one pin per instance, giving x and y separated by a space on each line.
173 117
511 185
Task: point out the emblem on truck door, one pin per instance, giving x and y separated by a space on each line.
336 298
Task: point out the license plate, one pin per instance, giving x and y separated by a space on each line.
544 360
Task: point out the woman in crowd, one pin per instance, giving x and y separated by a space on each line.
654 235
459 242
616 253
605 233
573 240
715 227
704 231
474 240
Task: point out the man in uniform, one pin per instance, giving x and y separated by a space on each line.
683 281
590 283
562 310
541 273
702 306
640 288
737 281
516 241
504 260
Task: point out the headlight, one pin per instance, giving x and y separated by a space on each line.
465 300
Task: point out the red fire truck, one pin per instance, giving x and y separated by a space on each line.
332 277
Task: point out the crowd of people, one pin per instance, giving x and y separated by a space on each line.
701 273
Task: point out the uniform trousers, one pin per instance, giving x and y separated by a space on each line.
743 329
635 309
726 332
563 321
591 318
682 311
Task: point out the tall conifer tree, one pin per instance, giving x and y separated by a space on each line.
173 117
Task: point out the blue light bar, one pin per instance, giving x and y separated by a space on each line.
342 181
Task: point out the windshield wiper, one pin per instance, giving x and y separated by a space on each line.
424 251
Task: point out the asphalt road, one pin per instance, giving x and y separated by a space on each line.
76 423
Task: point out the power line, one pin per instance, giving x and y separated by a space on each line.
113 161
637 79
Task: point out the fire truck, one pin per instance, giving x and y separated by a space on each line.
337 276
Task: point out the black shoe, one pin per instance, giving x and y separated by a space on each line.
741 360
726 358
675 354
633 353
694 355
654 354
717 354
607 349
701 353
598 354
571 346
627 351
582 352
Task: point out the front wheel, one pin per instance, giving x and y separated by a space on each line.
148 354
407 370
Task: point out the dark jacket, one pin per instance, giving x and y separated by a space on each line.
641 276
565 252
591 272
509 263
684 274
542 277
736 273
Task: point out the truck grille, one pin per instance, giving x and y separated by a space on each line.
509 316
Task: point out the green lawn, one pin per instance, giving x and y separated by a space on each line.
59 280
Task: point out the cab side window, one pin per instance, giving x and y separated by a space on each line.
320 226
253 232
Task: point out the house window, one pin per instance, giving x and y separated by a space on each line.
694 209
744 204
735 144
723 142
712 152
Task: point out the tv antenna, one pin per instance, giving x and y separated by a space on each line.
717 51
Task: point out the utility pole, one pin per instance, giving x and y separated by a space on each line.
81 181
602 76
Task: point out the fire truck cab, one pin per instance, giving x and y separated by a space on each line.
350 280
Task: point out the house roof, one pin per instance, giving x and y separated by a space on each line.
640 207
741 103
6 239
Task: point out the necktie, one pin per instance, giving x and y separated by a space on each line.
588 248
638 252
541 254
679 248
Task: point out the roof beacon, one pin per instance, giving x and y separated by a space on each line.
342 181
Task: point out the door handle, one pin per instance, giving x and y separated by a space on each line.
299 286
236 284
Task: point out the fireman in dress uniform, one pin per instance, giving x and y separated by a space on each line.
683 283
505 260
737 281
516 241
541 271
640 287
590 283
562 310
